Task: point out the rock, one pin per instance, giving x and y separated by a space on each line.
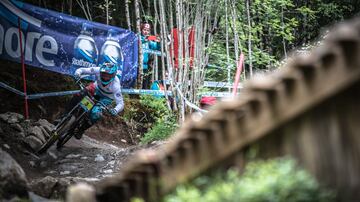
53 155
1 130
81 192
33 142
17 127
45 132
21 134
12 178
32 163
72 156
123 140
45 124
6 146
11 117
36 198
43 164
84 157
66 172
109 171
50 187
99 158
37 132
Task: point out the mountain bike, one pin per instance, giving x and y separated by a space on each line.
71 122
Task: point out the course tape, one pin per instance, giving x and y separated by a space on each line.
125 91
11 89
188 103
41 95
62 93
155 52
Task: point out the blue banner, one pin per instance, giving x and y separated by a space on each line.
63 43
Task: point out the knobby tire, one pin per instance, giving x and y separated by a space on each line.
66 135
55 135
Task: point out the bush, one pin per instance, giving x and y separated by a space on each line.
165 120
277 180
162 129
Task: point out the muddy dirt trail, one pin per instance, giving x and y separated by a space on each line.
85 158
89 159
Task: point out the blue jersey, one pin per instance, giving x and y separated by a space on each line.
148 45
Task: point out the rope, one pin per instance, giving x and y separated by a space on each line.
187 102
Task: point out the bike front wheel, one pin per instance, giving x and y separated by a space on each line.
57 134
67 134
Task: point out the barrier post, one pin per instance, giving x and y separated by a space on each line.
26 113
238 73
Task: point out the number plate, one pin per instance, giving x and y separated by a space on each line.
86 103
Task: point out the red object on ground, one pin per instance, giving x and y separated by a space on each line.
175 45
208 100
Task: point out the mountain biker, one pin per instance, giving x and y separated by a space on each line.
105 89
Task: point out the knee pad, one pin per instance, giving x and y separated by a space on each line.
96 114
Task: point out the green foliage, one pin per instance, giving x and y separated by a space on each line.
156 105
162 129
276 27
279 180
165 120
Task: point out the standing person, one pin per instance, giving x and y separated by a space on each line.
148 43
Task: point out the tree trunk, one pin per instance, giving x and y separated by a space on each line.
127 13
164 47
141 57
227 45
70 6
249 37
107 11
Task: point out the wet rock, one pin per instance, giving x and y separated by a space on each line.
66 172
21 134
108 171
53 155
12 178
32 163
99 158
43 164
17 127
11 117
33 142
6 146
50 187
37 132
45 124
45 132
73 156
36 198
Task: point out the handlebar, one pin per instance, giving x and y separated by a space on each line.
83 89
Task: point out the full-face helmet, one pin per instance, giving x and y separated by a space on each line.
107 73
